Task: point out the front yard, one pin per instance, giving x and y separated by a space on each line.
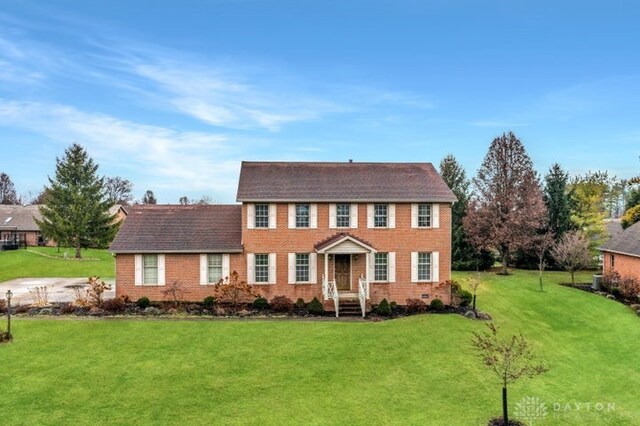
416 370
40 262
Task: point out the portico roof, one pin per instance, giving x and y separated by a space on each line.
344 242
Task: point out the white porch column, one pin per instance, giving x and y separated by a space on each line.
366 267
326 266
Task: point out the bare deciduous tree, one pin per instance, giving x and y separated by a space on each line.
572 253
118 190
510 359
507 208
149 198
234 292
175 292
541 245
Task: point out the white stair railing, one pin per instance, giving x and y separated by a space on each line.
330 291
363 293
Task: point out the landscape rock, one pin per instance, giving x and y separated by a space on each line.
484 316
470 315
610 296
151 310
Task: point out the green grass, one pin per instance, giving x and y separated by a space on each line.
29 264
417 370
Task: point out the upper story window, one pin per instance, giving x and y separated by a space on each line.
262 268
214 268
424 215
302 267
302 215
381 267
424 266
380 215
262 215
150 269
343 215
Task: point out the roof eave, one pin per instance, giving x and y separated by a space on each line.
187 251
619 252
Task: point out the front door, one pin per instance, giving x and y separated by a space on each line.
343 271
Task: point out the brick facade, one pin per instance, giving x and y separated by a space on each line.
403 240
624 264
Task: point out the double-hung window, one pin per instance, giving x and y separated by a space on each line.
150 269
424 215
214 268
424 266
381 267
343 215
262 268
262 215
302 267
302 215
380 215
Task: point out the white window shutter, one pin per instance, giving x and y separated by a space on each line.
354 215
313 268
372 266
435 213
226 266
313 216
138 265
414 215
273 210
370 215
414 266
251 215
161 270
204 269
332 216
251 268
392 267
392 216
292 268
272 268
435 266
292 216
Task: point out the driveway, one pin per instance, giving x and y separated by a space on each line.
58 289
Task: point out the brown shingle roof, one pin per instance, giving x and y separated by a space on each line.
180 229
20 218
388 182
627 242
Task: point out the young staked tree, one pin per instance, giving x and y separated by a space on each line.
76 212
507 209
572 252
149 197
510 359
7 190
541 247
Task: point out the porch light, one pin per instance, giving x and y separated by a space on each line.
9 295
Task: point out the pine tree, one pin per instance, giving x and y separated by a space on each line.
464 255
76 212
556 199
7 190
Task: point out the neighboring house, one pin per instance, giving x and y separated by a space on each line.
18 225
622 252
335 231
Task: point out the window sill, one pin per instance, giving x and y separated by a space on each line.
303 283
380 282
261 283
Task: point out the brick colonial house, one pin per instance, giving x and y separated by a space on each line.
336 231
622 252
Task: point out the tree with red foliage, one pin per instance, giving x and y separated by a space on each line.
507 208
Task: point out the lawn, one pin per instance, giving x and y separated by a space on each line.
416 370
37 262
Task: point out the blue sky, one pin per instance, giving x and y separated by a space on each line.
173 95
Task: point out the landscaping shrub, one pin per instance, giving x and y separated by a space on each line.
67 309
629 288
114 305
610 280
315 307
209 302
383 308
465 297
300 304
3 306
143 302
281 304
455 286
436 305
416 306
261 303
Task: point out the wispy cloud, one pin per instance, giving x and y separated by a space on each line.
498 124
180 159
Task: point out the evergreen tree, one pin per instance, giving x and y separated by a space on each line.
464 255
556 199
7 190
76 212
633 198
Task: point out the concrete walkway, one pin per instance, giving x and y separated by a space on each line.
58 289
